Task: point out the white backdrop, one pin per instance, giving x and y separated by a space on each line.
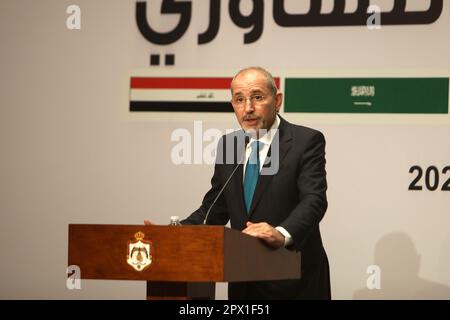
71 153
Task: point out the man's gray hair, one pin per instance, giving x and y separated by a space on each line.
270 81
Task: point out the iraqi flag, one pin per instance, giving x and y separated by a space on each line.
181 94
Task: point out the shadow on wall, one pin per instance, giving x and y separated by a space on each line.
399 264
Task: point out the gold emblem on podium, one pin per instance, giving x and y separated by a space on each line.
139 252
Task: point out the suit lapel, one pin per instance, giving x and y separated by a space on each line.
285 141
236 182
238 186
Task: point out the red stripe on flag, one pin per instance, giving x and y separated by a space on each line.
180 83
184 83
277 82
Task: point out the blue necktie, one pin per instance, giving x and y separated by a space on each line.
251 174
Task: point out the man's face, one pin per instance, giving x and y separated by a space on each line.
254 103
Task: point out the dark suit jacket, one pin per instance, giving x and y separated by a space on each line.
293 198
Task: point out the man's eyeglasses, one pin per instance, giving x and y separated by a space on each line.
254 99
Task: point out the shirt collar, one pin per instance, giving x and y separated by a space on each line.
268 137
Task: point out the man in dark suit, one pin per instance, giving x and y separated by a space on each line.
278 191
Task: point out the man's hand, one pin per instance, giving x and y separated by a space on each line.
148 223
265 232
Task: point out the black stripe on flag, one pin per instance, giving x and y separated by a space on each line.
180 106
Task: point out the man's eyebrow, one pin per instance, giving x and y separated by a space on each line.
251 92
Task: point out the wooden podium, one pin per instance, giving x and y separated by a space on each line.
178 262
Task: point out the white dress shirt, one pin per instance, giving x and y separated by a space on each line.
265 142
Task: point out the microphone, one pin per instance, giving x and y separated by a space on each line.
226 182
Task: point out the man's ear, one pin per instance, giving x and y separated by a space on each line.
278 100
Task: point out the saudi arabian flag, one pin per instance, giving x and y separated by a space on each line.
367 95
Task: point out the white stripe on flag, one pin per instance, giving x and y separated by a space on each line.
179 95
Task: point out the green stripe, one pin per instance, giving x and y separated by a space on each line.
367 95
